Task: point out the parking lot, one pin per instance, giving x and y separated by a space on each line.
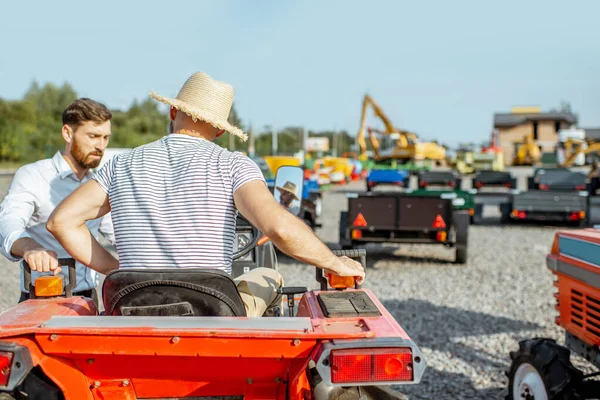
465 318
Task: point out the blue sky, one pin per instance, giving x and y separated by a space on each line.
438 68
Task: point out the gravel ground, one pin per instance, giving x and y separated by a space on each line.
465 318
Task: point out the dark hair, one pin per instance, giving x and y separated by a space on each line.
83 110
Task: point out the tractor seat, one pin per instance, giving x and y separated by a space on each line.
171 292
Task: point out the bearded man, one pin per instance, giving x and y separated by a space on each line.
38 188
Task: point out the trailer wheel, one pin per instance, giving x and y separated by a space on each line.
461 220
542 370
345 243
460 254
477 217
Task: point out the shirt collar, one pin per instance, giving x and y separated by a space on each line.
64 170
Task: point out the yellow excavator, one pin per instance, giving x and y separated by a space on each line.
574 147
395 144
528 153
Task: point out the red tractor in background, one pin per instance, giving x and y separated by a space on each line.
541 369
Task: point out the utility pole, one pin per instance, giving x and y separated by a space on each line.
251 149
274 140
334 144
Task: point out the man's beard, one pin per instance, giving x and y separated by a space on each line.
80 156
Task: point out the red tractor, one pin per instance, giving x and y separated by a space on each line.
183 333
541 369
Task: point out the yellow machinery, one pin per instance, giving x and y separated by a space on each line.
575 147
395 143
275 162
528 153
464 161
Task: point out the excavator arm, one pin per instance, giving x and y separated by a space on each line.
389 128
570 156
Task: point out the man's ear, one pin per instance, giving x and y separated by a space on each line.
67 133
220 133
172 113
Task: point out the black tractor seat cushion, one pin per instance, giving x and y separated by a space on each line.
171 292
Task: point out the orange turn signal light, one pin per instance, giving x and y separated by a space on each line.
441 236
356 234
48 286
340 282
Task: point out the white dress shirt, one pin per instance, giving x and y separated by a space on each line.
35 191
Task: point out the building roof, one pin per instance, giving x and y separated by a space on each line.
509 119
592 133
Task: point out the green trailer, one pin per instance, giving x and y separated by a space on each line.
412 167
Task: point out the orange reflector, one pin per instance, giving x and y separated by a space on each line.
340 282
439 222
360 220
371 365
472 212
356 234
441 236
47 286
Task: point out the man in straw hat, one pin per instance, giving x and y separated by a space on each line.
174 203
287 194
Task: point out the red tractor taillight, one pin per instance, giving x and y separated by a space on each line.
5 365
371 365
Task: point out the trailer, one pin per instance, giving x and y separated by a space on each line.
446 185
395 217
555 194
493 188
395 177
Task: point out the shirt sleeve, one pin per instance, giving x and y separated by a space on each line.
244 170
105 175
16 210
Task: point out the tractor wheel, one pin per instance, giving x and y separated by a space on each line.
542 370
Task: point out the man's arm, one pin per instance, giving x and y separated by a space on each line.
290 234
16 210
67 224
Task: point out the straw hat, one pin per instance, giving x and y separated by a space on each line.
291 188
205 99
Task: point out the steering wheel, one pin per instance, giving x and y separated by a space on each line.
251 244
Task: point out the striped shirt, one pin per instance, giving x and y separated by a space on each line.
172 202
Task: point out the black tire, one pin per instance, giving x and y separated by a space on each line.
477 217
342 228
505 213
552 363
460 254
